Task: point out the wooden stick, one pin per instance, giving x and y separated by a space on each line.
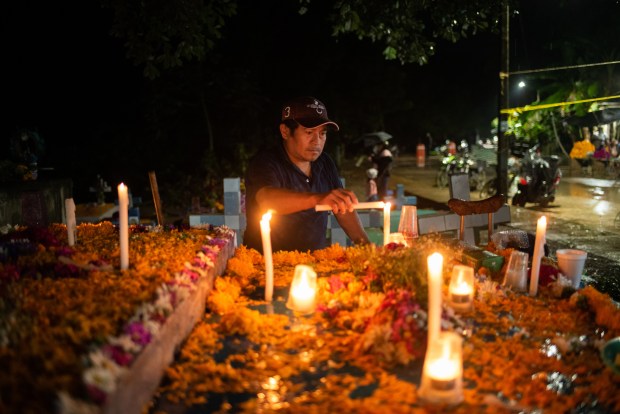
156 199
358 206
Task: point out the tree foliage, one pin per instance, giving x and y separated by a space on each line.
163 34
409 29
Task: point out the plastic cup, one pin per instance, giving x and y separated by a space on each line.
408 224
516 271
571 263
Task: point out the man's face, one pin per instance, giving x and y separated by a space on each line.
304 144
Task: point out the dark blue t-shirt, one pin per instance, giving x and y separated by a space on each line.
304 230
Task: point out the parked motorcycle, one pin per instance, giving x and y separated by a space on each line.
489 188
538 179
457 163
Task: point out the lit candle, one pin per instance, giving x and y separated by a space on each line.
70 219
539 252
265 231
123 224
386 223
461 290
302 296
435 278
442 375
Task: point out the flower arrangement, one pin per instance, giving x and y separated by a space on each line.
71 323
361 350
582 149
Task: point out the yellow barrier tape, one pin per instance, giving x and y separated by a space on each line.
526 108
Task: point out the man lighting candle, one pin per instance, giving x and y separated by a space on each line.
295 177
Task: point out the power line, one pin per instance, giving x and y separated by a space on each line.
553 105
585 65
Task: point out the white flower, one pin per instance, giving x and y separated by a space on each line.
104 372
126 343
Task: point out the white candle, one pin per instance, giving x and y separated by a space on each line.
265 231
359 206
435 278
386 223
302 296
123 224
443 373
539 252
70 219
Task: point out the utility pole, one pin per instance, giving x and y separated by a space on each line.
503 147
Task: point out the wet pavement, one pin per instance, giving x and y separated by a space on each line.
585 214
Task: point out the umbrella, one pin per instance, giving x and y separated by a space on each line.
600 117
373 138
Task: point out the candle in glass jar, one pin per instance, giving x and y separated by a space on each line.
461 289
435 278
539 252
386 223
123 224
442 374
265 230
302 296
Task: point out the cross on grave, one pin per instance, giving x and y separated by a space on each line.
100 188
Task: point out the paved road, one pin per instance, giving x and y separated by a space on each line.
583 215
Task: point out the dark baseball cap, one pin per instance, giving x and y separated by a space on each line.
307 111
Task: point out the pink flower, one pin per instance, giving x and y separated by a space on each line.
335 284
138 333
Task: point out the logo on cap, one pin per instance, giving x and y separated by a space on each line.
307 111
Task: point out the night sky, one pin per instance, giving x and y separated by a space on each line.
68 78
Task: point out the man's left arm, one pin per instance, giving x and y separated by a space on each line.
352 225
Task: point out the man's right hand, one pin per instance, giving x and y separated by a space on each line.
341 200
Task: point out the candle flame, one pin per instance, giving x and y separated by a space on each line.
302 289
435 262
267 216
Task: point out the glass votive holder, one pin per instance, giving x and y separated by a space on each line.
397 238
408 224
302 294
442 375
461 289
516 271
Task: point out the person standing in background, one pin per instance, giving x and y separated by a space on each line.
382 160
371 185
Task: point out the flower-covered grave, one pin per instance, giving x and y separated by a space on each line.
77 334
363 348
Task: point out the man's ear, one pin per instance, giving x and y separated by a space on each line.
284 131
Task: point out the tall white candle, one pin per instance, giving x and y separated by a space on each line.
265 231
123 224
70 220
386 223
539 252
435 278
366 205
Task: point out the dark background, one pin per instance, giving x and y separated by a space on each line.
67 77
